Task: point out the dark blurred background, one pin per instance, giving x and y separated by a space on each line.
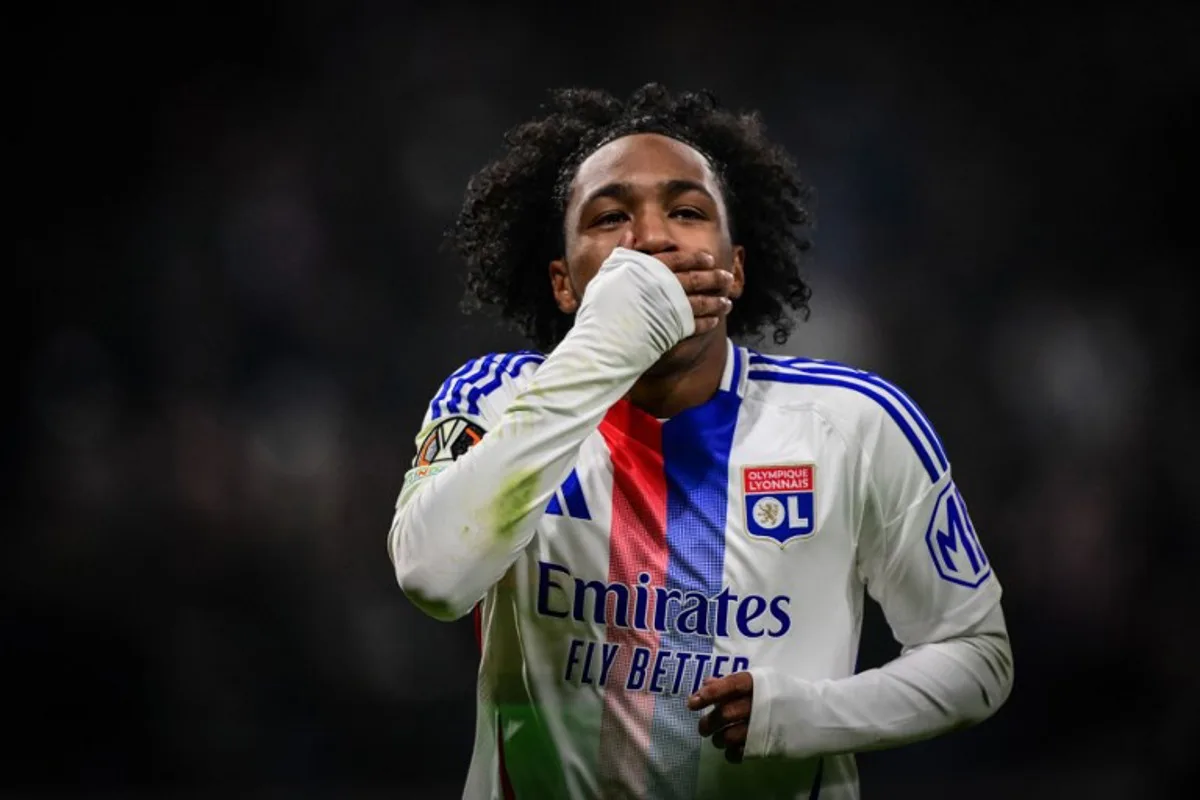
227 221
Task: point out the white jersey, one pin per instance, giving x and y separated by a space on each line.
737 535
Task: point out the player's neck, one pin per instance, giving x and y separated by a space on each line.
682 380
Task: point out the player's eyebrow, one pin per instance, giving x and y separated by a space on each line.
673 188
668 190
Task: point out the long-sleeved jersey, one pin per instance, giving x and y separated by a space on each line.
615 560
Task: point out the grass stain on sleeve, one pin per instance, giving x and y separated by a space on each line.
513 503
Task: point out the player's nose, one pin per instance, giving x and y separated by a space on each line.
652 234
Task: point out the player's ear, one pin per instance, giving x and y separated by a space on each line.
560 284
739 271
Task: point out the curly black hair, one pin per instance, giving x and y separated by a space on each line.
511 223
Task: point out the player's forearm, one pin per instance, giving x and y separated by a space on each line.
458 532
930 690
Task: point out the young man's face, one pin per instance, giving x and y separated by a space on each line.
661 191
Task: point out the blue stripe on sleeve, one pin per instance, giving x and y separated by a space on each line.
823 380
816 367
477 379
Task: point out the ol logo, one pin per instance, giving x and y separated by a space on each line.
779 501
953 544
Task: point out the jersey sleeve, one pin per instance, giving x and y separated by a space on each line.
920 554
921 559
466 406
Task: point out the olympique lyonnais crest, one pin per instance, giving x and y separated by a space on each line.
779 501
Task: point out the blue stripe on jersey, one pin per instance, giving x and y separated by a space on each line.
435 406
468 381
696 446
573 495
483 366
824 380
510 365
554 507
817 367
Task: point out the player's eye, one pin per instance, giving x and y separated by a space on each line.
609 219
688 212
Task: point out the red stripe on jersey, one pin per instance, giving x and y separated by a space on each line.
505 783
638 544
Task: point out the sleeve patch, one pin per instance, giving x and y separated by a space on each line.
952 542
447 442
